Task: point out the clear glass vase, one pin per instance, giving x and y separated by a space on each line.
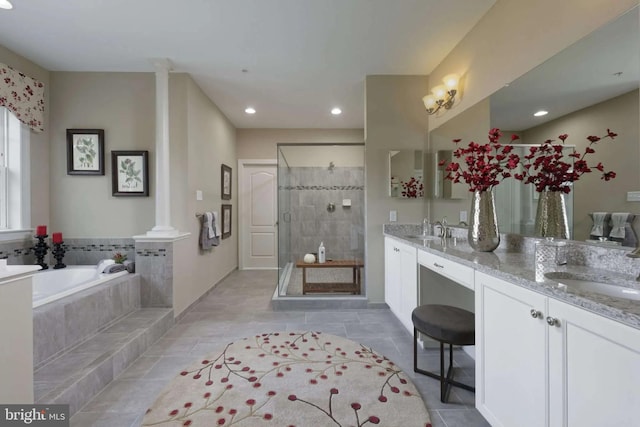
551 215
483 224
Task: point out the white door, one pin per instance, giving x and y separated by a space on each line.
258 214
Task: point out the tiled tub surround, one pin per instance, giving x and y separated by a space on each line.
311 189
83 341
63 324
154 263
81 251
513 261
18 252
90 251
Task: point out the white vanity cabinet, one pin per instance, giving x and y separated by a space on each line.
401 280
511 353
542 362
594 367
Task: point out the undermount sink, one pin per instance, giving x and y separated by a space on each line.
596 287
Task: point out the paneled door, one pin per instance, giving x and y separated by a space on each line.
257 214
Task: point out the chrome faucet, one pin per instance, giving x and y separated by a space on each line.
444 229
426 227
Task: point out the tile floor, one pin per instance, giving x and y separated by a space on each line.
240 306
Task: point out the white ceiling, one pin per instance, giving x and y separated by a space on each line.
303 56
581 75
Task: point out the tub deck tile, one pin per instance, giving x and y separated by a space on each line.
80 373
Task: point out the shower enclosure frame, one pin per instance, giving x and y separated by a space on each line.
286 264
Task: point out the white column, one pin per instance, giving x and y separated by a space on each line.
163 226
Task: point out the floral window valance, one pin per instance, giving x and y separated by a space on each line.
23 96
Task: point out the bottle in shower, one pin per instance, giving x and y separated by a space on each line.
321 255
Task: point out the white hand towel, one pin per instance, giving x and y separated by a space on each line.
618 221
216 231
598 224
210 218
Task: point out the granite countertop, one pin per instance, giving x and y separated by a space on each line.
518 268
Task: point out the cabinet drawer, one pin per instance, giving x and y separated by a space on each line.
449 269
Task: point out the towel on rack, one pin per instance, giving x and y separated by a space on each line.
618 221
598 223
210 232
207 223
216 228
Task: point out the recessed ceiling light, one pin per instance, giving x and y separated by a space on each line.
250 110
540 113
336 111
5 4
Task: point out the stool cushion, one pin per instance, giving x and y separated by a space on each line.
445 323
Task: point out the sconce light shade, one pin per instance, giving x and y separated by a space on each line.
451 81
442 96
429 102
439 92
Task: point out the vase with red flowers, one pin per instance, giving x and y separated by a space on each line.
552 171
483 167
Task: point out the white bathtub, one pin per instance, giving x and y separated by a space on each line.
50 285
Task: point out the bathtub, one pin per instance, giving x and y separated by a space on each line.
51 285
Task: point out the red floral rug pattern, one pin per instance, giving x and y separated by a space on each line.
307 379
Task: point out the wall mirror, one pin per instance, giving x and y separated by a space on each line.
445 188
586 89
589 87
406 174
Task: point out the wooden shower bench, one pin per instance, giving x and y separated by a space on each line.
325 287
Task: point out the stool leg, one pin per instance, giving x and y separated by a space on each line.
415 350
443 380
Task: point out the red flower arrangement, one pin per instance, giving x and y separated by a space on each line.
487 164
412 189
546 168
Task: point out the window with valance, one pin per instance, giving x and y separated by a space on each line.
23 96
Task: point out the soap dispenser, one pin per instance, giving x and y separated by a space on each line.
321 256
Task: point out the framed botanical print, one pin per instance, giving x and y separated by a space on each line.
226 221
225 180
130 173
85 151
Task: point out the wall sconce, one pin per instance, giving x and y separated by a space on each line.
442 96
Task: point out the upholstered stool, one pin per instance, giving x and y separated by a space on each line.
448 325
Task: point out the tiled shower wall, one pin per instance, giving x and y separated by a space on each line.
311 189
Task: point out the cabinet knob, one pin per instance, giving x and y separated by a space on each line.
535 313
552 321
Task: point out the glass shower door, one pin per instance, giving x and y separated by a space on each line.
284 224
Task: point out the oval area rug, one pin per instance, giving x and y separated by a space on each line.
301 379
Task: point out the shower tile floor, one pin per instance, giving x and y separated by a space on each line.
240 306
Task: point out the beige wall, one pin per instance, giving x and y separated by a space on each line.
202 139
471 125
395 119
513 37
39 141
261 143
123 104
592 194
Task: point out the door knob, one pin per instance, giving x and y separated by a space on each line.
535 313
